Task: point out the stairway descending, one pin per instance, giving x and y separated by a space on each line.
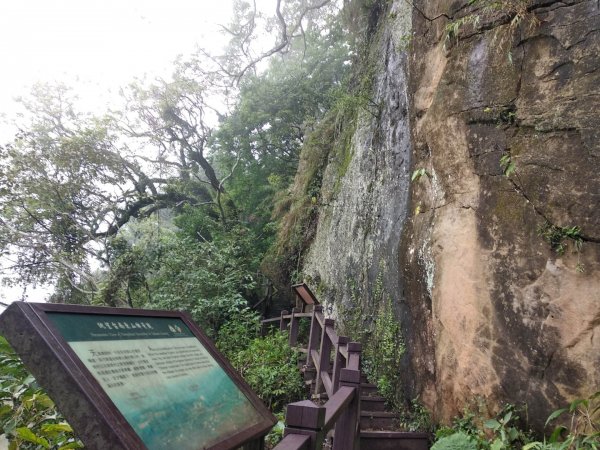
379 427
329 359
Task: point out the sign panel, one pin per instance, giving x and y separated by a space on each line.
161 375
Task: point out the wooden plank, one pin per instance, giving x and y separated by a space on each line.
336 404
332 335
314 336
305 414
314 356
274 319
303 291
304 314
294 442
282 319
343 349
327 384
294 329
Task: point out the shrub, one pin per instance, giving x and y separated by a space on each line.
270 366
28 417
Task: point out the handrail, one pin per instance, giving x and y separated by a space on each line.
336 404
342 386
294 442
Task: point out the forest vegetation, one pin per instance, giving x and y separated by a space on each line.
192 196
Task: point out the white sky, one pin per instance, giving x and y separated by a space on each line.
97 46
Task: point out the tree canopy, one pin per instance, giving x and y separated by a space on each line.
167 201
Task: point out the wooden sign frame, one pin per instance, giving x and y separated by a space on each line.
96 419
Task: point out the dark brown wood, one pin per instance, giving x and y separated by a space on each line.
324 355
316 437
294 328
339 360
313 338
294 442
305 414
79 396
282 321
304 296
336 405
347 428
393 440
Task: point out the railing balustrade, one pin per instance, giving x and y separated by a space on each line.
333 364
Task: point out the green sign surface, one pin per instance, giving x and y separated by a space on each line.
161 378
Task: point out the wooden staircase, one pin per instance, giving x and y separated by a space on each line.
377 428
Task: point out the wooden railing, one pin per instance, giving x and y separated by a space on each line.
333 366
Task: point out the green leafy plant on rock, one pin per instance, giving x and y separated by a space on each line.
418 173
456 441
373 322
582 432
507 164
559 239
472 430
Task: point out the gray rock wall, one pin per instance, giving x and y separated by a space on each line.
488 309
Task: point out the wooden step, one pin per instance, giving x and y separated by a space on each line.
372 403
368 389
378 420
393 440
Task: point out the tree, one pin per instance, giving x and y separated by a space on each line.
66 186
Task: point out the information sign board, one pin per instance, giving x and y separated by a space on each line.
154 378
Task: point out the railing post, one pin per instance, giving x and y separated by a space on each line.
354 351
282 324
263 327
347 427
306 418
338 362
313 339
324 354
294 326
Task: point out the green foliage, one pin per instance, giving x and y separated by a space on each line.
499 433
270 366
504 433
276 433
583 431
516 12
456 441
559 237
263 136
507 164
418 173
373 322
28 417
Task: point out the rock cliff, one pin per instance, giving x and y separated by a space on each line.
491 254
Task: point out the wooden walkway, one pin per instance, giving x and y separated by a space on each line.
347 412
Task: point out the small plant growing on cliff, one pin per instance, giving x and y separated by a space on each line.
472 431
418 173
583 431
515 11
558 237
507 164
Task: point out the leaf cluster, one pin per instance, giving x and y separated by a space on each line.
28 417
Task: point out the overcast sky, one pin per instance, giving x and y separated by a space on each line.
97 47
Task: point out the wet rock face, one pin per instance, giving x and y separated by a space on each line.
488 309
363 211
510 319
